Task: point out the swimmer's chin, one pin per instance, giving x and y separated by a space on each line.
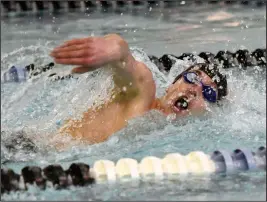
159 106
166 109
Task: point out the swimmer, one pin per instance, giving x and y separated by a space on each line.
134 93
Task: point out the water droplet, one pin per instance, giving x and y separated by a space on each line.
58 122
256 138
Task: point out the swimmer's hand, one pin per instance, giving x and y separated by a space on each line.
91 52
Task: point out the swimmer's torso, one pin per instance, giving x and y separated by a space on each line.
97 125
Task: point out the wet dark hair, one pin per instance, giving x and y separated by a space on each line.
213 72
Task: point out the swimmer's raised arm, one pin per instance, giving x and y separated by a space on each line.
94 52
133 93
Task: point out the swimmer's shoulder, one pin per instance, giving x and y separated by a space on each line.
146 89
135 95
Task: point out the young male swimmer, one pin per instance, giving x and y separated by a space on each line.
135 89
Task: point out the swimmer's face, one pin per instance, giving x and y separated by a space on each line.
183 98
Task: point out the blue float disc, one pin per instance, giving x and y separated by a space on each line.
261 156
223 161
261 152
250 159
244 160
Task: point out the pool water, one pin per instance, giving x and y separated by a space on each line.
37 107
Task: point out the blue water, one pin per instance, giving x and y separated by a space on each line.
37 106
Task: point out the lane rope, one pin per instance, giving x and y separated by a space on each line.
173 165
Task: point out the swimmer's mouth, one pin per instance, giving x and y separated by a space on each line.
181 103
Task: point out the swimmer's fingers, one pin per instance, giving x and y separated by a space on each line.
69 48
76 42
77 61
85 52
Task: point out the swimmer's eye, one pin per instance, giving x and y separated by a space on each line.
182 103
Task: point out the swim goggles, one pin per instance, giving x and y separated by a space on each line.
208 92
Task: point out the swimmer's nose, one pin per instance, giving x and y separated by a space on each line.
198 88
195 89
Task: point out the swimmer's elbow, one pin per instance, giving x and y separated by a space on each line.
121 44
117 38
